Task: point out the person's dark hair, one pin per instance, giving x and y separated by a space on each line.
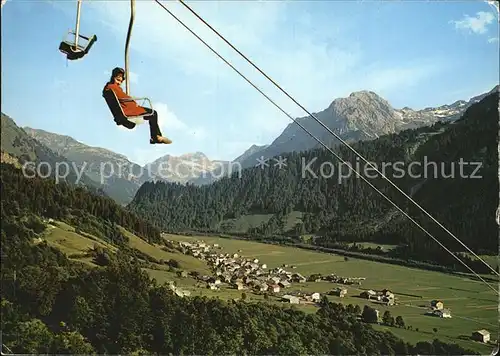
115 72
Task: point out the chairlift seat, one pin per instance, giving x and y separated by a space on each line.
116 110
73 52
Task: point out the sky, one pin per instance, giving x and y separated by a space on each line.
412 53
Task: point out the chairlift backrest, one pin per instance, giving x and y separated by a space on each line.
116 109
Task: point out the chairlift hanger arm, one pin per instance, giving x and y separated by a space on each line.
77 27
129 35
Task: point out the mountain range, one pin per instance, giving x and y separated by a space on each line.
362 115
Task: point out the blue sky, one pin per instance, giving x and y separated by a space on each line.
414 54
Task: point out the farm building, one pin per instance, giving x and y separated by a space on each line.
481 335
297 277
437 304
291 299
442 313
239 285
369 294
262 287
339 292
274 288
387 294
284 284
315 297
388 300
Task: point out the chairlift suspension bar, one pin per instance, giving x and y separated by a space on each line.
129 34
77 28
341 140
331 151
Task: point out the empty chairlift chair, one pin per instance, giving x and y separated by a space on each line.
73 49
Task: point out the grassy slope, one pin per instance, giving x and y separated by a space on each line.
64 237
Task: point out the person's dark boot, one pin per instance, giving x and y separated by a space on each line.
160 139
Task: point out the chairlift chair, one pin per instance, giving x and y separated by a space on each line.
116 110
74 50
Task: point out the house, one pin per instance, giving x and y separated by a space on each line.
340 292
387 293
315 297
442 313
369 294
276 280
437 304
297 277
274 288
291 299
481 335
284 284
262 287
388 301
239 285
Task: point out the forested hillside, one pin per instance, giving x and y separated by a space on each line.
348 209
53 305
36 156
43 197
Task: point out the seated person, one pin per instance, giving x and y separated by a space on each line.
130 107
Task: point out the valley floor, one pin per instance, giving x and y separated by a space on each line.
473 306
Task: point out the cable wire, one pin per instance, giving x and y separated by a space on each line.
339 138
328 148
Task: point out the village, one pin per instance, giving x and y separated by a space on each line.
250 274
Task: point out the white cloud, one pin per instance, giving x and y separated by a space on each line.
383 80
493 40
170 123
476 24
167 119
